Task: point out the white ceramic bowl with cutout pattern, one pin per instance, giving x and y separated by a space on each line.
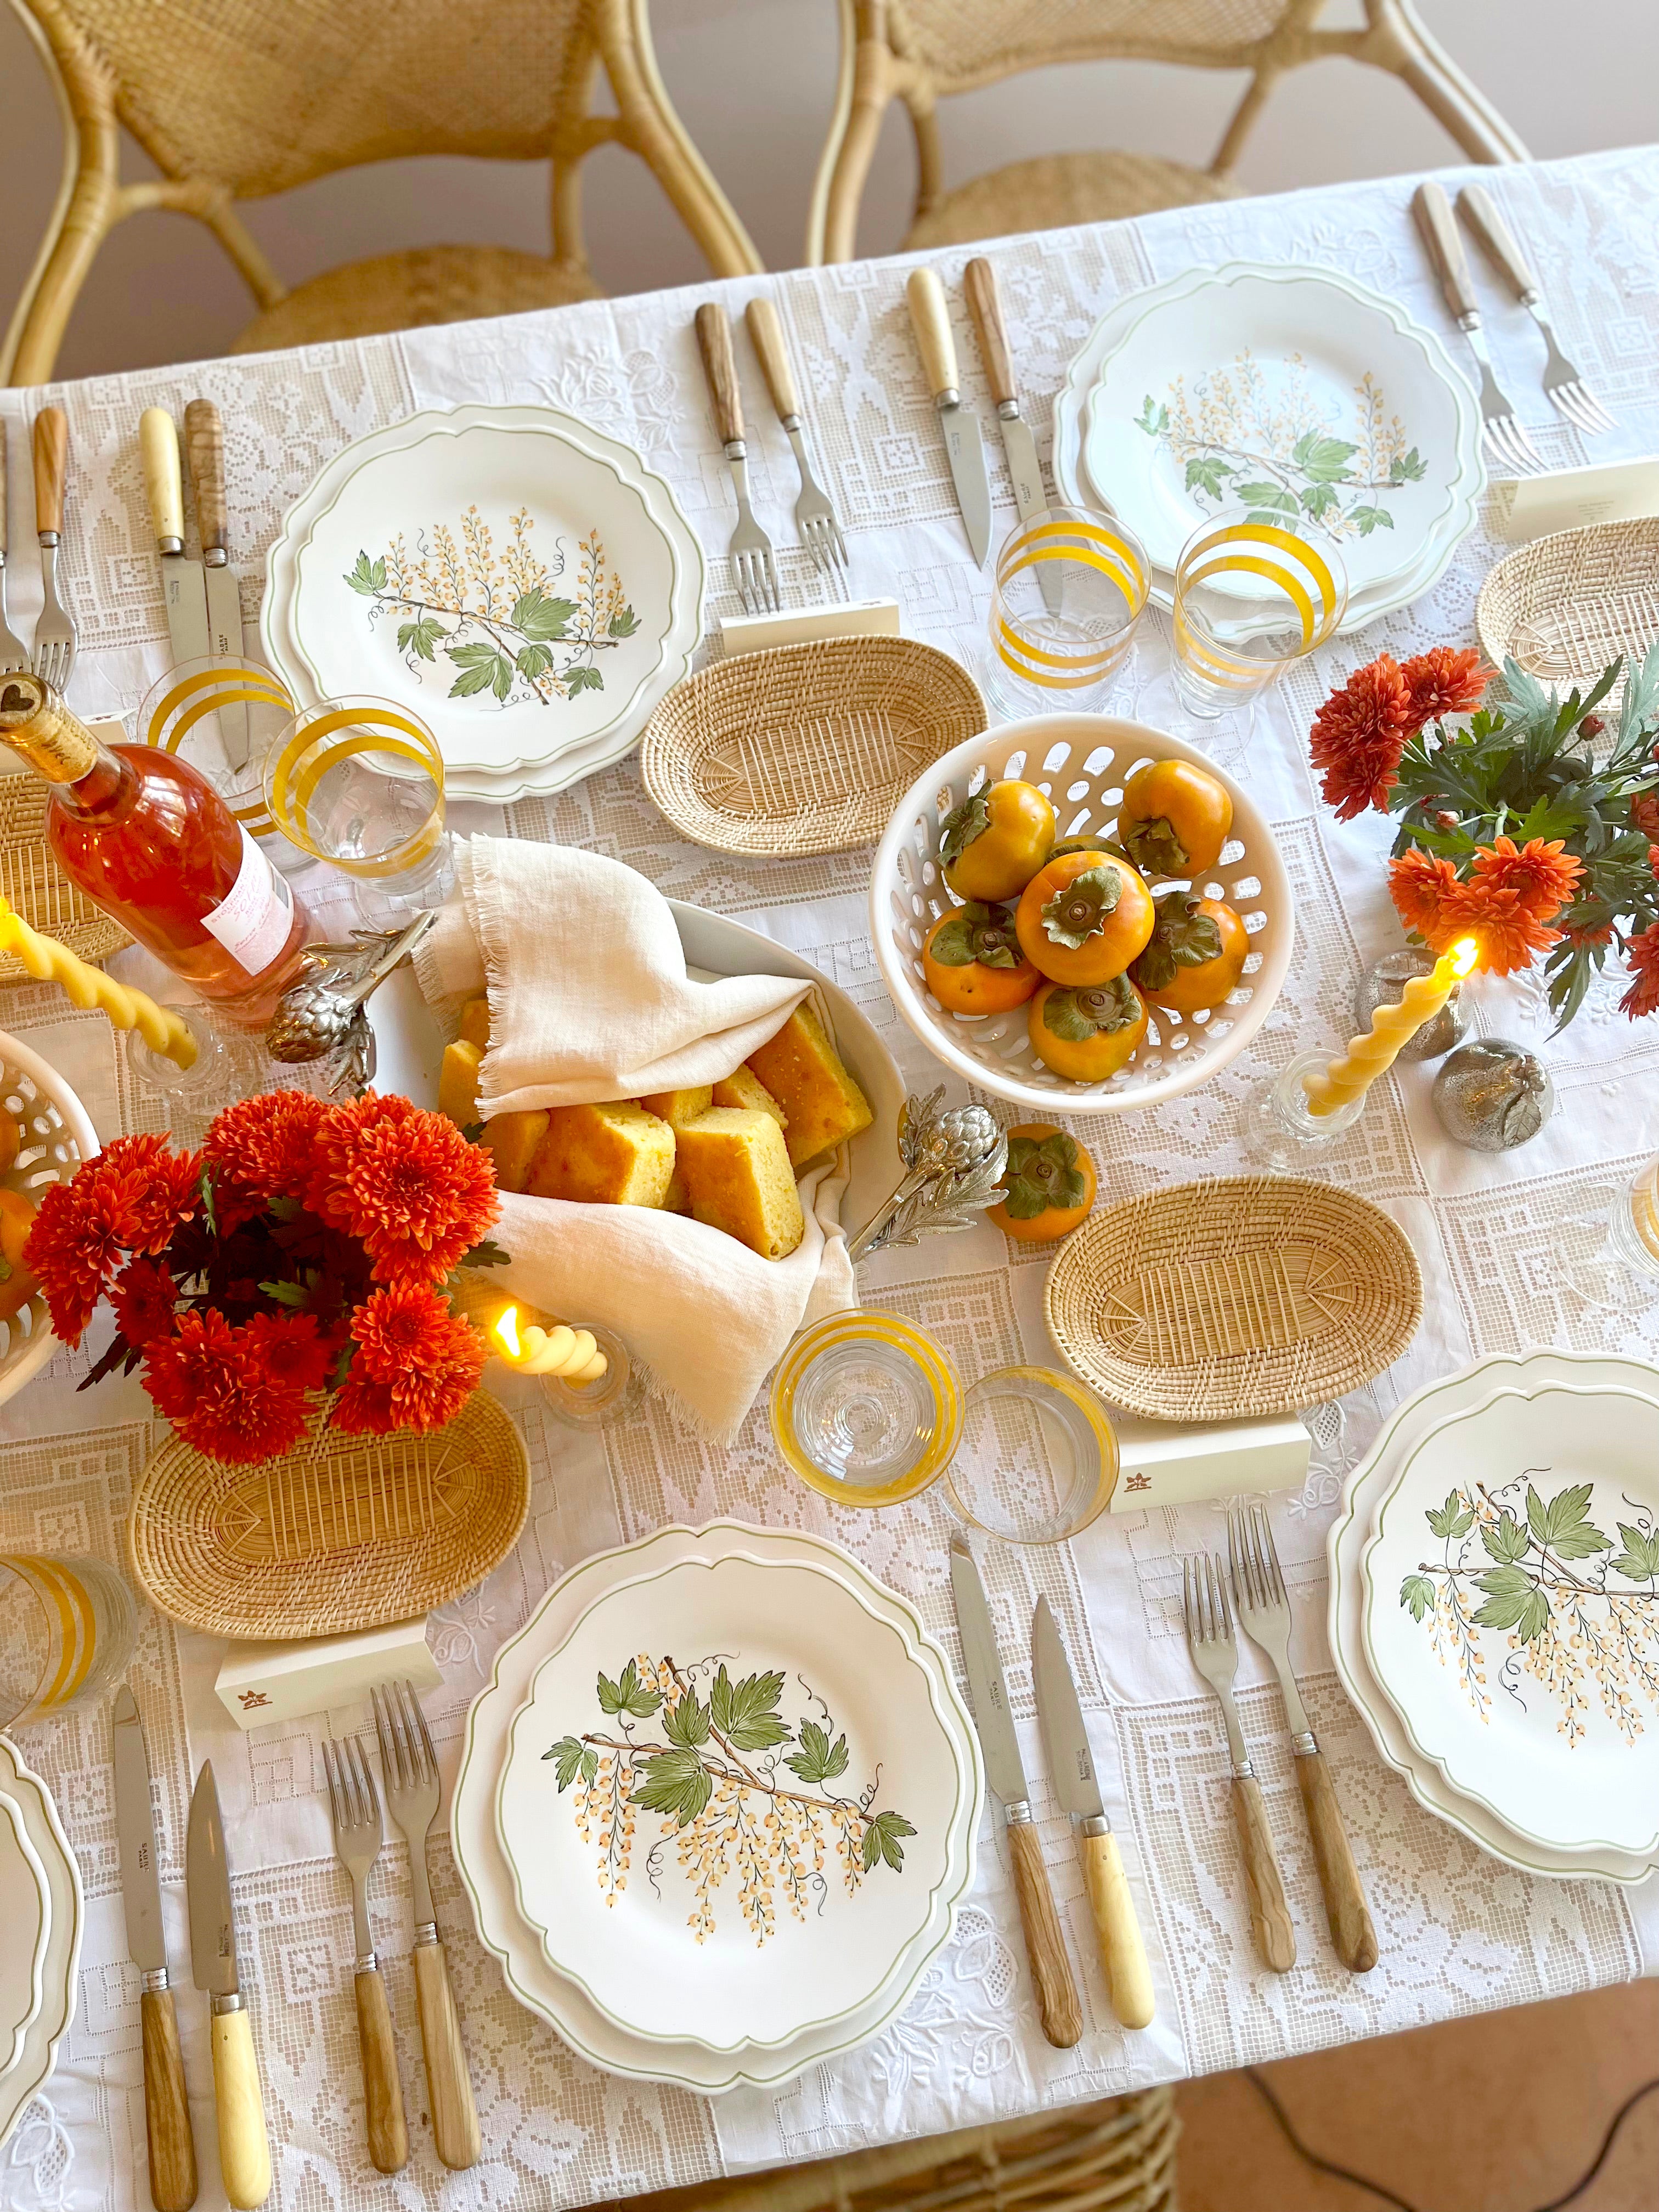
55 1134
1082 761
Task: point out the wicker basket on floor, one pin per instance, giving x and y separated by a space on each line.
1117 2155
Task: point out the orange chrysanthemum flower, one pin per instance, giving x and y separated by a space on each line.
1509 937
416 1363
1543 876
405 1183
1644 813
216 1387
1357 737
1443 681
143 1300
128 1201
263 1148
1642 953
1421 884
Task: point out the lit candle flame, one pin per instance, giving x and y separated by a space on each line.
1465 953
507 1328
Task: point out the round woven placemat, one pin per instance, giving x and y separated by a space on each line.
1255 1294
804 749
341 1533
35 886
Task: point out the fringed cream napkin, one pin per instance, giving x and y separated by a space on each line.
589 999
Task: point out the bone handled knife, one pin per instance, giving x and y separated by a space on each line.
1122 1953
985 304
1058 2003
964 444
167 2100
205 444
243 2146
181 578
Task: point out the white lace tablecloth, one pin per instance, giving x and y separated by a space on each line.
1512 1251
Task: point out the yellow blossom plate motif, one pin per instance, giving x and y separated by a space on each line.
1511 1609
728 1802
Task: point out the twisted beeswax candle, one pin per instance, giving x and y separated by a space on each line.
1349 1077
571 1353
53 963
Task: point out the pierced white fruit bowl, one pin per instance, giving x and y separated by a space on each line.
1081 762
55 1134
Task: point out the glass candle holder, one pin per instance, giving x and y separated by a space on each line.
223 716
1070 587
359 783
1251 597
1038 1459
68 1626
608 1399
867 1409
1282 1131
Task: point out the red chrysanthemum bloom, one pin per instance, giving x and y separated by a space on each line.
428 1358
1642 953
263 1148
293 1347
1543 876
1443 681
220 1395
128 1199
1357 737
405 1183
362 1408
145 1298
1644 813
70 1263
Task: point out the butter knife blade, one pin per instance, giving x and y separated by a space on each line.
1005 1770
135 1830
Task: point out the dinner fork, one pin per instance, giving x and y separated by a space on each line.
815 516
54 634
1563 386
1502 432
14 654
750 550
357 1836
1265 1611
1215 1655
410 1767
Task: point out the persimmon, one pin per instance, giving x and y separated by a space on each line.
1087 1033
18 1283
1051 1184
1084 918
994 842
1174 819
973 962
1195 955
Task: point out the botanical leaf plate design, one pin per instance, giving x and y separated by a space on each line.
1512 1611
726 1801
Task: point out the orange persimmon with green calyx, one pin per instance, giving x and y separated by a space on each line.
992 844
1174 819
1195 955
18 1283
973 962
1051 1184
1087 1032
1084 918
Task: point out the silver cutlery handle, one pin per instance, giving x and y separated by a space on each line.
1497 242
1439 227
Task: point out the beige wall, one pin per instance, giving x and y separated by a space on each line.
752 80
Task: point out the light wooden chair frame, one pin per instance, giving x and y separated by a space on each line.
872 74
91 199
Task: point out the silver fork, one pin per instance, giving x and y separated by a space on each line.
750 550
14 654
54 634
1215 1655
1265 1611
1502 432
358 1836
815 515
1563 386
410 1767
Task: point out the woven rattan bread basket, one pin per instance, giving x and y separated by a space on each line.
342 1533
35 887
804 749
1255 1294
1567 605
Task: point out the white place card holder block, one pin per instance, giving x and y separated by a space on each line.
1567 499
259 1683
805 626
1179 1462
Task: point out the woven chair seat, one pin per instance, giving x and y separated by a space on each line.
1057 189
401 291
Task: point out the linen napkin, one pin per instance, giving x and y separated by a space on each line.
589 999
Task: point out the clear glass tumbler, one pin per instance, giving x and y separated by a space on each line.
223 716
867 1409
68 1626
1070 587
1633 1225
359 783
1251 597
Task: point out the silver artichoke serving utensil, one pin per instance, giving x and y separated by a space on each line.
323 1014
954 1169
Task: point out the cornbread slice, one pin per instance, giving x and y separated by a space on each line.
804 1073
677 1108
743 1087
677 1199
475 1023
610 1155
513 1138
737 1172
457 1083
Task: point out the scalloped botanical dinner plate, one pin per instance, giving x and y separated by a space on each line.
520 581
27 1793
489 1876
728 1802
25 1915
1511 1608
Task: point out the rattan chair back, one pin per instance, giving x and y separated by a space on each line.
236 100
921 52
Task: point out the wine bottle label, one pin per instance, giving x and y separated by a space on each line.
253 920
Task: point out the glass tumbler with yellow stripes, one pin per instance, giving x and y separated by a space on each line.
1251 597
1070 587
359 782
68 1626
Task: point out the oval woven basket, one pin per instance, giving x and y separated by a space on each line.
35 887
804 748
1567 605
341 1533
1255 1294
1081 760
